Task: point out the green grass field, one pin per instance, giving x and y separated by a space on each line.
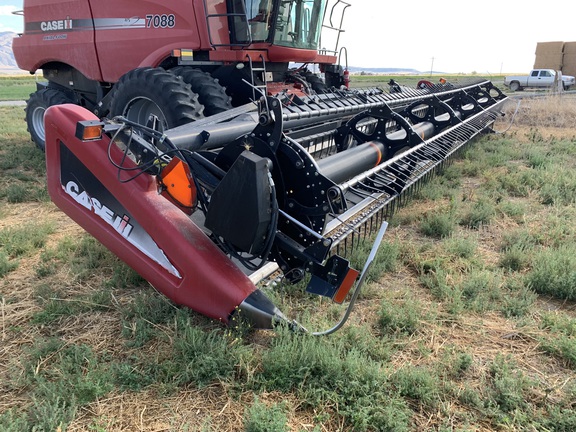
16 87
469 323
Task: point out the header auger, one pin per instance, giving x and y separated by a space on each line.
204 210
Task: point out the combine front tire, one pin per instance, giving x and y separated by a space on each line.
36 106
156 98
210 93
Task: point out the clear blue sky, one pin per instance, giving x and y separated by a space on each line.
451 35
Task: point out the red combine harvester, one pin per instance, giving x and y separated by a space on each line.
284 183
180 61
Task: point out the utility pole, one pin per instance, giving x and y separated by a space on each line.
431 67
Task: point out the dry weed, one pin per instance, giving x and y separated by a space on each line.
554 111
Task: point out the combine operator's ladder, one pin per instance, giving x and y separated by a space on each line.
333 28
261 88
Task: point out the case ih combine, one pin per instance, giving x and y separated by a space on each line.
285 182
180 60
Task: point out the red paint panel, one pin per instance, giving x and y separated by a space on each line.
133 34
59 31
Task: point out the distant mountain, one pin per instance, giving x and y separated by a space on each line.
7 61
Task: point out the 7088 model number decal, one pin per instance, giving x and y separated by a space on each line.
160 21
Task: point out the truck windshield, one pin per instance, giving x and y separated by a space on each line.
299 22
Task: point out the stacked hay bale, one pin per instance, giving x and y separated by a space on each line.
569 59
557 56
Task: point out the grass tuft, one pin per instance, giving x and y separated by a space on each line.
6 264
61 378
554 272
143 318
518 299
509 385
202 357
462 247
479 214
323 373
260 417
438 225
440 287
400 317
563 347
559 187
22 240
57 304
385 261
419 384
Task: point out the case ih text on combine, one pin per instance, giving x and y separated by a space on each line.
179 135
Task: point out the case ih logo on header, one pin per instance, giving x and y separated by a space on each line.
119 223
56 25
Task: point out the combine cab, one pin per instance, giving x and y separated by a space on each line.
204 210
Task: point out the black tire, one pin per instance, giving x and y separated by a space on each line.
317 84
210 93
515 86
565 87
36 106
145 92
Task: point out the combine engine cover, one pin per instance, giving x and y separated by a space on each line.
196 208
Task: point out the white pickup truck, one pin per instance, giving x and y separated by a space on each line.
538 78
